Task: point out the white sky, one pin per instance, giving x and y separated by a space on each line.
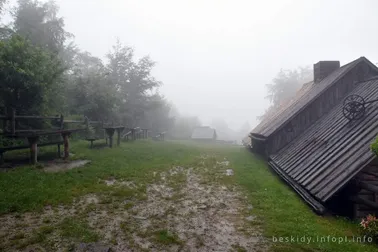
215 56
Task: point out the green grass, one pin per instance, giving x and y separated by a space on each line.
77 229
166 238
29 189
280 212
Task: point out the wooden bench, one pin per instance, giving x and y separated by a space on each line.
21 147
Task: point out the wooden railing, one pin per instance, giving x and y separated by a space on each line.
136 133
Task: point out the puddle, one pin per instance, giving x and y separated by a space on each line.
58 166
229 172
202 215
224 163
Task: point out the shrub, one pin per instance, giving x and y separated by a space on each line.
374 147
369 226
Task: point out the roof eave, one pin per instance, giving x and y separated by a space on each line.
316 205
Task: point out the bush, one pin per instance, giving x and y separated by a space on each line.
369 227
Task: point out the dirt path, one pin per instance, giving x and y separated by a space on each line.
185 209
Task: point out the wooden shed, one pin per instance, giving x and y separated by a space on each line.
204 133
319 142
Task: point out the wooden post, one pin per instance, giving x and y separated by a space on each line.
4 125
66 145
59 153
1 158
13 122
133 134
110 133
61 126
33 149
119 131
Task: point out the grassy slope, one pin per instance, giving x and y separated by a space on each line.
278 208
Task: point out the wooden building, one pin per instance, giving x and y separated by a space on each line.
319 142
204 133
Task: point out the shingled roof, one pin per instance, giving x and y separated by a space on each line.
326 156
304 97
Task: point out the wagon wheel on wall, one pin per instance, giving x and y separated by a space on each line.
354 107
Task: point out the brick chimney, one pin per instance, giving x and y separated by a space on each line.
324 68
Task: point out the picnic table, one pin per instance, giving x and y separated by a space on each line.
110 133
33 136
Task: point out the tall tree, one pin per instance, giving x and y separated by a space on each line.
89 90
284 86
157 116
39 23
133 80
28 76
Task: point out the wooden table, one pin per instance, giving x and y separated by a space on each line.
110 133
33 137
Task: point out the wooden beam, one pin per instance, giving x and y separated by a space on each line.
368 187
13 122
364 201
38 117
61 123
370 173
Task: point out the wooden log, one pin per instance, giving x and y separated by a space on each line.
360 200
368 187
33 140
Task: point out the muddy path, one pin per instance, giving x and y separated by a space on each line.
184 209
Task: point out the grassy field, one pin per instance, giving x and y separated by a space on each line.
42 200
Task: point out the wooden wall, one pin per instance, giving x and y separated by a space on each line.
368 175
319 107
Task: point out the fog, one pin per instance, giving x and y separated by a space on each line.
215 56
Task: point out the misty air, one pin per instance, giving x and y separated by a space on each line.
214 125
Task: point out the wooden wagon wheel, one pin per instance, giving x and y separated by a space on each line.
354 98
354 110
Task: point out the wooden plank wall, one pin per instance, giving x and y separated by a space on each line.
368 175
319 107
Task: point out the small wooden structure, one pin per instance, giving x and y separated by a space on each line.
204 134
319 141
